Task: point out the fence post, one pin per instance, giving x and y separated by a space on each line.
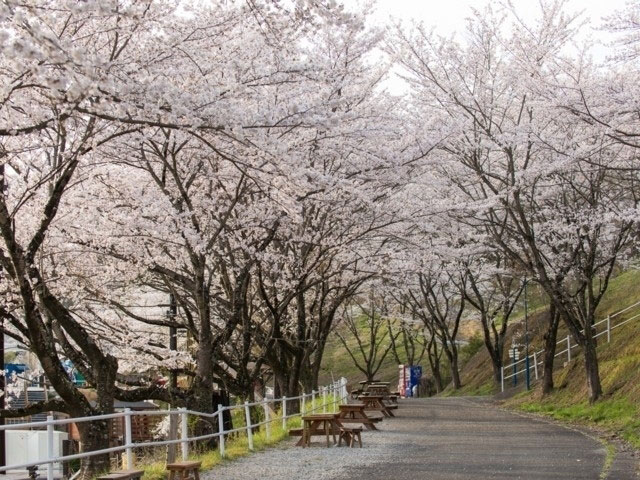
568 348
313 401
221 429
535 363
345 393
502 379
284 413
127 439
608 328
173 435
50 447
324 399
267 420
185 434
302 402
247 416
334 397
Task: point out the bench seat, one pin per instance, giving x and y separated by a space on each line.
349 435
123 475
184 470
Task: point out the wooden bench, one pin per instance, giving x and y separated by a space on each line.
184 470
349 435
296 432
123 475
360 420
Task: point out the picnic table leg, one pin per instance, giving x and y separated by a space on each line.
303 438
368 424
391 414
326 431
307 433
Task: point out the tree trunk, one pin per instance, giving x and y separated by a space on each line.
434 363
94 436
455 374
437 376
497 372
592 370
588 343
550 340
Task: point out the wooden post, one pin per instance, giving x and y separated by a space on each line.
502 379
568 348
535 364
608 328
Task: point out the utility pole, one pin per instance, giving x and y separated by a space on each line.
3 453
526 335
172 313
3 459
173 336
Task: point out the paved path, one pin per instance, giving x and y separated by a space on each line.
464 438
440 439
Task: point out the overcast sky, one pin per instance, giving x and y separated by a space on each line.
449 15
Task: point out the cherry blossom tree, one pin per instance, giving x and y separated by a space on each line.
535 180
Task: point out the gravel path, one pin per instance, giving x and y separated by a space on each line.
436 439
286 461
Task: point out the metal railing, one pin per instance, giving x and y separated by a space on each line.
533 358
327 397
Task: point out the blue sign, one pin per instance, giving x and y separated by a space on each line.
415 373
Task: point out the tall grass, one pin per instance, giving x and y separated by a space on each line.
237 444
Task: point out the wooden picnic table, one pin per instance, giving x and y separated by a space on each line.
355 413
375 402
319 424
367 382
378 389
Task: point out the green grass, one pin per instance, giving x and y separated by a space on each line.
618 410
608 460
236 445
613 414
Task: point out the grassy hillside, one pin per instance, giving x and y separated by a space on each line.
337 363
619 409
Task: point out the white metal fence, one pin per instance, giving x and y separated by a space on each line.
535 361
327 397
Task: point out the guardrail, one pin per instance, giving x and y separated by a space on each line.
327 397
533 358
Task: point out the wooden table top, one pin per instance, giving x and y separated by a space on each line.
320 416
352 406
